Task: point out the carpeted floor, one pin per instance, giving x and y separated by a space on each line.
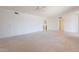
41 42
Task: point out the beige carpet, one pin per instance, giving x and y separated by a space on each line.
41 42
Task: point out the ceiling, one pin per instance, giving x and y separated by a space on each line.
44 11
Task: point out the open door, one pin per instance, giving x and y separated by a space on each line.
61 24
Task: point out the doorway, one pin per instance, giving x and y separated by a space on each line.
61 24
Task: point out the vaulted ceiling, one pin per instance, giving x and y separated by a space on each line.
44 11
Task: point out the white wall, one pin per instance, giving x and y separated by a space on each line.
16 24
52 24
71 21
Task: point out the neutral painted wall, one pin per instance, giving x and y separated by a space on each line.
71 21
17 24
52 24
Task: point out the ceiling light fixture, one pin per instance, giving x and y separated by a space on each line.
39 7
16 13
